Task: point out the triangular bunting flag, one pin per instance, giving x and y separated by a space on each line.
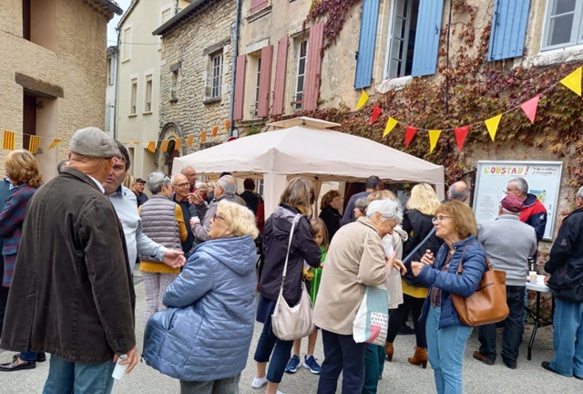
376 111
55 142
433 137
178 144
227 125
573 81
33 144
460 136
362 100
151 146
530 107
492 125
164 146
8 140
203 136
190 140
391 123
409 134
215 131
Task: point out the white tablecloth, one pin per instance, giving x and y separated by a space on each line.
539 285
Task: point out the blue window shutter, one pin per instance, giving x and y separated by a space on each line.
508 29
427 37
366 43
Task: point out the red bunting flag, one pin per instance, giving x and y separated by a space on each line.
376 111
409 134
460 136
530 107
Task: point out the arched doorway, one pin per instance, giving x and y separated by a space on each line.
170 132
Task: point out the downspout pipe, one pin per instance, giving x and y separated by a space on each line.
115 121
234 66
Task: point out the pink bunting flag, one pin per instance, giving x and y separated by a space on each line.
409 134
460 136
530 107
376 111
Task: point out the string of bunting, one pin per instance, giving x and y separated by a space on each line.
529 107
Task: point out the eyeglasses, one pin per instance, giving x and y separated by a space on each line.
440 218
217 216
508 190
182 185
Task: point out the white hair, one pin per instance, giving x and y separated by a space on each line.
580 193
388 209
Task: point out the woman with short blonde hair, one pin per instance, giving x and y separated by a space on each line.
423 199
239 219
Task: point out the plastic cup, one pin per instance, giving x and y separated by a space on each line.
120 369
533 276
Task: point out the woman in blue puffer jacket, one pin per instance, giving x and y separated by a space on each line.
203 337
447 336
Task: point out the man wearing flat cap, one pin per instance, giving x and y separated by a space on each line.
72 294
139 191
509 243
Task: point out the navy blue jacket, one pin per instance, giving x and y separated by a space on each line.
474 265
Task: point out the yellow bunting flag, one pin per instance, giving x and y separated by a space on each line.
33 144
573 81
433 137
151 146
391 123
190 140
178 144
203 137
362 100
164 146
215 131
227 125
492 125
55 142
8 140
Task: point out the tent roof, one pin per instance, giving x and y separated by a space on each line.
308 149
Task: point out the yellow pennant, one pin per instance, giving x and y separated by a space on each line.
391 123
190 140
178 144
33 144
492 125
573 81
8 140
362 100
151 146
164 146
433 137
55 142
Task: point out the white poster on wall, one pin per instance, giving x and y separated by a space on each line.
543 178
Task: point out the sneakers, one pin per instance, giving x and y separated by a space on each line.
259 382
293 364
311 364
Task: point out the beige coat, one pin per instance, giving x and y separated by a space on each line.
356 258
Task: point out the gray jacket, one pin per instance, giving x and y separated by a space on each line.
509 243
159 222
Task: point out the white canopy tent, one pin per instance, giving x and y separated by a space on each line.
306 147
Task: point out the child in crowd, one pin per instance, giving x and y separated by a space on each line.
312 278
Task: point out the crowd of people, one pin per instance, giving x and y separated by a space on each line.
67 284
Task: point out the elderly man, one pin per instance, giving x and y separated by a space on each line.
190 174
459 191
534 212
565 267
124 202
139 190
192 206
373 183
72 293
509 244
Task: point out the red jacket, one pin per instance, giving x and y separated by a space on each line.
534 213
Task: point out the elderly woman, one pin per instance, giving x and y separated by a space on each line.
163 222
446 335
203 338
356 259
22 171
294 205
330 204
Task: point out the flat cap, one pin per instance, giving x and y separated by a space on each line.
93 142
140 180
512 203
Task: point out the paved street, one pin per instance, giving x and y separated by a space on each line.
399 376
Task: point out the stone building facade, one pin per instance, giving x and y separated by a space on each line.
196 78
53 71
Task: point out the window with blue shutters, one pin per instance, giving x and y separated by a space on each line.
366 43
509 23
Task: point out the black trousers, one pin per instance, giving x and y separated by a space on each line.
397 317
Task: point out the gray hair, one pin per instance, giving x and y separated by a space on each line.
458 191
156 180
201 185
520 184
580 193
388 209
362 204
183 169
227 182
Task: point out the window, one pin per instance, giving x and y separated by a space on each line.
175 87
402 42
216 75
126 44
563 24
39 22
257 80
148 102
111 65
134 97
301 73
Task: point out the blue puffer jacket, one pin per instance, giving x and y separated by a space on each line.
206 331
474 266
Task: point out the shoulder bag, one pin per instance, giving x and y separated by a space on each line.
409 278
488 303
292 322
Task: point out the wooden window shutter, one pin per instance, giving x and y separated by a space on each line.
280 74
313 67
239 87
265 81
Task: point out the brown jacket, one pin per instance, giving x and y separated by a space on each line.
71 293
356 258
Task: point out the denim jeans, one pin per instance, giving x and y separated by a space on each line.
568 339
68 377
445 348
341 354
513 328
374 362
220 386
